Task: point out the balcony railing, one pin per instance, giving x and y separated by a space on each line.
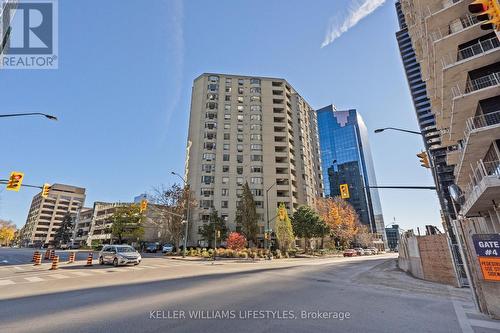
482 170
478 48
484 120
490 80
454 27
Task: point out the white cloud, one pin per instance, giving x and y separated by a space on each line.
356 14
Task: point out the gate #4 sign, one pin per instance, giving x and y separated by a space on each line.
487 245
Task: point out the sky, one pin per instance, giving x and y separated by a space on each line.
126 67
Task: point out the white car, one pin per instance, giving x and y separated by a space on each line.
119 255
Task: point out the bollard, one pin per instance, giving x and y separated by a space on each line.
52 254
47 254
71 257
35 254
38 259
55 263
90 257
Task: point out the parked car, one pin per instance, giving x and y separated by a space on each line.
350 253
368 252
119 255
359 251
151 248
167 248
374 250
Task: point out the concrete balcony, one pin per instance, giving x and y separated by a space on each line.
483 189
464 104
453 157
447 12
480 132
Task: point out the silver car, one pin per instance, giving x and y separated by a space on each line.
119 255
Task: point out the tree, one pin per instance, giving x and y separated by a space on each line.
308 224
126 223
215 223
65 231
341 217
246 215
236 241
364 237
7 232
284 231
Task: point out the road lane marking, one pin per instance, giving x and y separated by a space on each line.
34 279
59 276
134 268
100 271
6 282
81 273
146 266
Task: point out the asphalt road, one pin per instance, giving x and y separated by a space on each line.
364 294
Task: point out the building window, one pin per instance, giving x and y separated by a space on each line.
255 146
228 98
225 192
225 168
206 192
256 169
239 137
209 156
227 116
239 127
240 99
225 146
227 126
240 118
228 90
259 204
225 180
240 108
212 97
227 136
213 87
254 81
212 105
206 203
256 180
255 98
239 158
225 157
207 179
255 117
240 82
227 108
213 78
228 81
239 148
256 137
224 204
239 181
239 170
240 90
257 127
206 167
256 158
255 90
257 192
255 108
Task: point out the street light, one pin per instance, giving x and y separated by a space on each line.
186 221
48 116
267 243
379 130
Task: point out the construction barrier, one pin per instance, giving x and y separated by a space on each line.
47 254
90 257
37 259
52 254
55 263
72 256
35 254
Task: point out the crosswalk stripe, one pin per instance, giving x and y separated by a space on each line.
6 282
34 279
81 273
59 276
147 266
100 271
134 268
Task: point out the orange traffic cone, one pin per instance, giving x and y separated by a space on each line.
35 254
52 254
71 257
37 259
55 263
89 259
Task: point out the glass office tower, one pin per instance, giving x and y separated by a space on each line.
346 159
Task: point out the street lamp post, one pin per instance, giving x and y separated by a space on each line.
48 116
186 186
267 243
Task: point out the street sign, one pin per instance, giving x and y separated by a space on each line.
344 191
490 268
487 245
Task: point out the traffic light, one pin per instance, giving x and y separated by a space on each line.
487 11
15 181
344 191
424 160
45 190
144 205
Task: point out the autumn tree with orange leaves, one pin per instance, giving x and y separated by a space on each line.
341 217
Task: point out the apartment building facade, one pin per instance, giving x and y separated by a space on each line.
460 65
254 130
46 214
81 228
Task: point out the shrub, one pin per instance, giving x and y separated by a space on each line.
278 254
236 241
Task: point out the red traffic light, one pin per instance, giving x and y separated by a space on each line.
476 8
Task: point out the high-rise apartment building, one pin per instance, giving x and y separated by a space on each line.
442 172
257 130
46 214
346 159
460 65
